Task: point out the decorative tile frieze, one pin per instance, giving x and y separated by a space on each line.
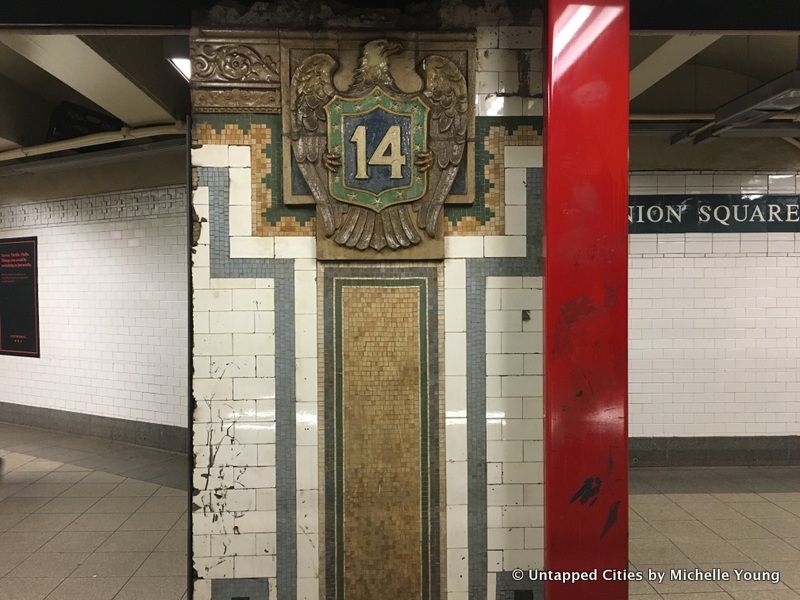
131 204
235 74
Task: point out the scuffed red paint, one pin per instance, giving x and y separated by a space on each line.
586 143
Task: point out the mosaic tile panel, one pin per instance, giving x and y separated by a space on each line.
381 431
263 134
486 216
382 463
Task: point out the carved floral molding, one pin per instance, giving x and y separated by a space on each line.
235 75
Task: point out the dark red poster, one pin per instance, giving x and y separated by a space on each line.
19 297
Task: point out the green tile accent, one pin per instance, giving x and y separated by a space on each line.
479 210
274 180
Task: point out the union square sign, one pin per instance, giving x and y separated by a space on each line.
713 213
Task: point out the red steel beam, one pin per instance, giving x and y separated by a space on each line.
585 297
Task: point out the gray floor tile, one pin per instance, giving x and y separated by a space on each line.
101 477
49 564
182 522
98 522
792 506
27 589
709 550
132 541
164 564
134 488
9 560
176 540
153 588
739 497
150 522
21 505
112 564
657 552
71 467
23 477
760 510
40 465
23 541
698 596
45 522
87 588
782 527
712 509
169 491
122 504
88 490
768 550
8 520
63 477
684 530
738 529
664 510
765 595
43 490
67 505
75 541
171 504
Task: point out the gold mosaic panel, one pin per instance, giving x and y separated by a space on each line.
495 141
382 454
258 136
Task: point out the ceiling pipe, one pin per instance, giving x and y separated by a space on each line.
94 139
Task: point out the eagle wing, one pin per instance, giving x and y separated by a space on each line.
446 93
311 89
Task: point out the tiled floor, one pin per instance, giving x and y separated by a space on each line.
727 518
88 519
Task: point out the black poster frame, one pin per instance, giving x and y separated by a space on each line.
30 245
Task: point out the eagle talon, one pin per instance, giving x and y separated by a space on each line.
332 161
424 160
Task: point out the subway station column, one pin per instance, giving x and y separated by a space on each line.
585 295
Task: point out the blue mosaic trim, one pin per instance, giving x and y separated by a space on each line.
239 589
478 269
282 271
507 587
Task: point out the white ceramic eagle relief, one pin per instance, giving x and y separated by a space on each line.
378 161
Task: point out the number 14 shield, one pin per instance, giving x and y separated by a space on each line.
378 138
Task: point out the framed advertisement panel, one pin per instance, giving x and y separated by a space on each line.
19 297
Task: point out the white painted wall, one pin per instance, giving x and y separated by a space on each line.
113 306
714 321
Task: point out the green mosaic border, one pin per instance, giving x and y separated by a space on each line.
273 180
478 210
422 285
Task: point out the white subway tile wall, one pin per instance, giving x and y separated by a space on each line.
714 321
234 419
113 307
514 422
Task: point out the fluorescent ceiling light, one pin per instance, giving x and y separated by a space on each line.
182 66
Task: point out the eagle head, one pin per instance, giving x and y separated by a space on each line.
373 67
378 51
